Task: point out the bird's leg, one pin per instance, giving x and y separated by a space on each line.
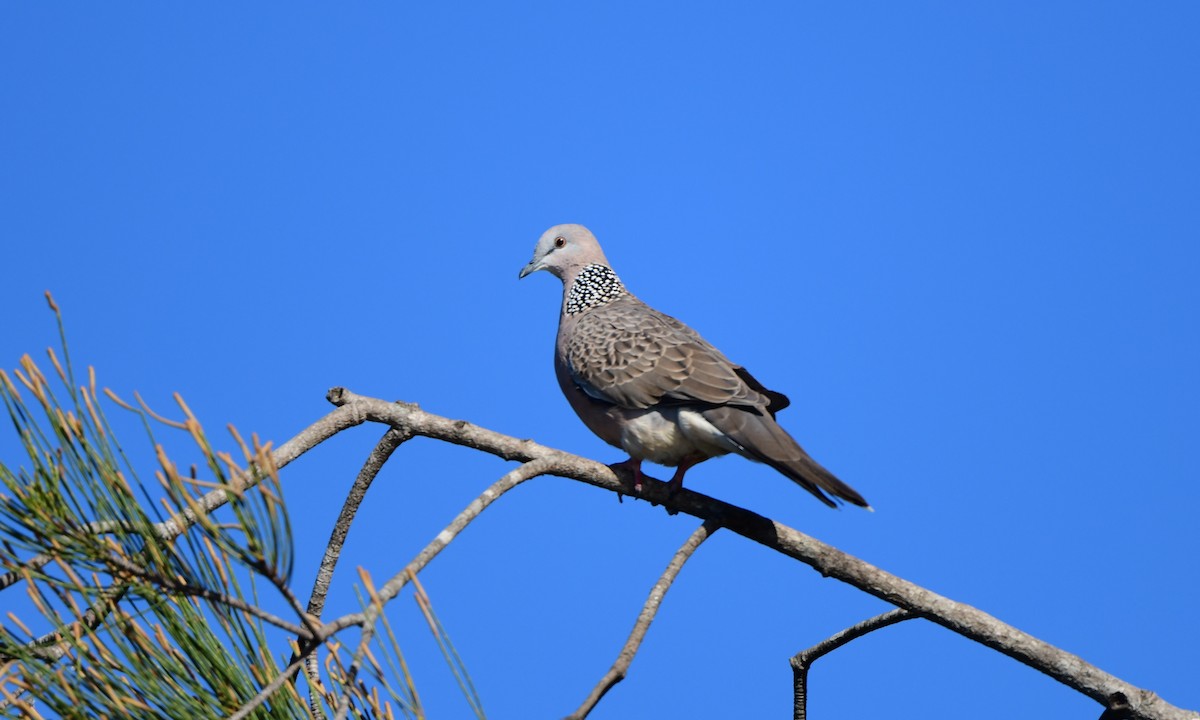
676 482
634 466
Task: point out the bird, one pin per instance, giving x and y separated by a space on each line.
651 386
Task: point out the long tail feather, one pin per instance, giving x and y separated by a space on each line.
761 438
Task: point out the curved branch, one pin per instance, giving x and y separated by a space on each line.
269 689
37 562
625 658
804 659
391 440
392 588
54 645
1071 670
312 436
174 586
970 622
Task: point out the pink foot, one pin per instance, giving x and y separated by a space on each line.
676 483
635 466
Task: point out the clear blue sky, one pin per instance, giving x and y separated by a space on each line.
962 238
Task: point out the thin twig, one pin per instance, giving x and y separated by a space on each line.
383 450
804 659
12 577
174 526
96 527
285 591
368 633
52 646
621 666
391 440
270 688
129 568
312 436
390 589
171 585
26 708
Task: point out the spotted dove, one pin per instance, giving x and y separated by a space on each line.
650 385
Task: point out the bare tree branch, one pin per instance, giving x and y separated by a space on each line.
625 658
174 586
55 644
270 688
312 436
392 588
1122 699
368 632
970 622
391 440
804 659
12 577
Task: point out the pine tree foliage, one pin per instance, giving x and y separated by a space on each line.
138 601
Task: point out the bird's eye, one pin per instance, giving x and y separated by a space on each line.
560 241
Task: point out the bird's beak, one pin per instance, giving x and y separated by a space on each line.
532 267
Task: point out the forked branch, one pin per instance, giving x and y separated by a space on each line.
804 659
406 420
970 622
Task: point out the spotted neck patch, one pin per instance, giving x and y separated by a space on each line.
595 285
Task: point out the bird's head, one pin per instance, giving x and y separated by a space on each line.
564 250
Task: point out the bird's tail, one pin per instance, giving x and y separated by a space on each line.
760 438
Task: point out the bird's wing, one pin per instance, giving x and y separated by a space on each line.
777 400
631 355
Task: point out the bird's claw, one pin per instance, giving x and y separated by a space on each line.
635 467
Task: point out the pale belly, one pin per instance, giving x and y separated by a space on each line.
670 435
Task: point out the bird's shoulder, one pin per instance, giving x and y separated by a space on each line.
630 354
626 330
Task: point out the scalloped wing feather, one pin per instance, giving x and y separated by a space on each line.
631 355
